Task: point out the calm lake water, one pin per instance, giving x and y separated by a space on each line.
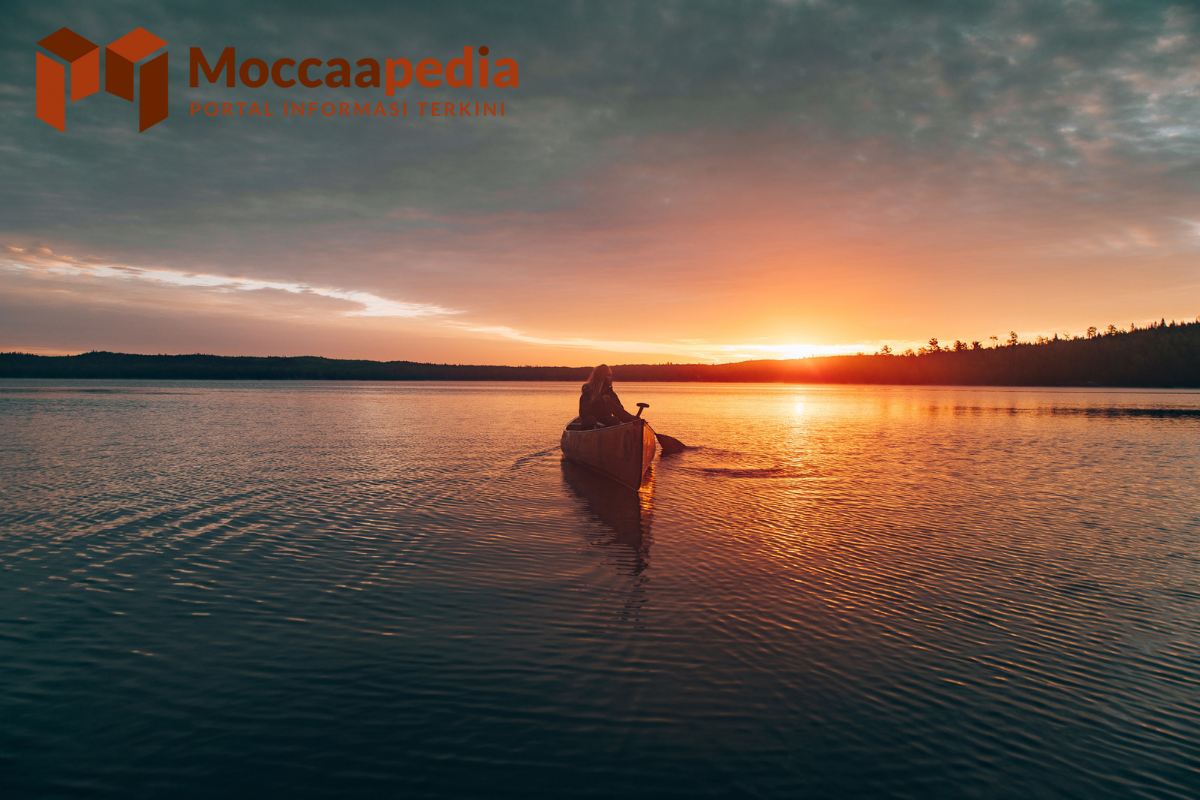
387 590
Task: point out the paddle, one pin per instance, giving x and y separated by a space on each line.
670 445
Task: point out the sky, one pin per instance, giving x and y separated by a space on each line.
670 181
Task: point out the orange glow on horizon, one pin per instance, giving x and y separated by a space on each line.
693 249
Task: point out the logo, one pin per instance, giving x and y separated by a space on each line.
83 61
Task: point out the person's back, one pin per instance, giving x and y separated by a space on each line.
598 403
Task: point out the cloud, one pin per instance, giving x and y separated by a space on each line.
102 281
368 305
1020 79
666 176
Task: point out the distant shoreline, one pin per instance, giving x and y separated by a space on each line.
1160 356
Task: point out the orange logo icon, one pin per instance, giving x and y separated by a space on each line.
83 60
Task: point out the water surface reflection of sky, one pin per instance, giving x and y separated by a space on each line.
401 588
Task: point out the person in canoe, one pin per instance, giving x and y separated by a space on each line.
598 403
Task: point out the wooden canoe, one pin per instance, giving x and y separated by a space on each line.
622 452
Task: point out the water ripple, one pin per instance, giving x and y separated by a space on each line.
361 589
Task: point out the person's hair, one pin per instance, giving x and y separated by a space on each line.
595 382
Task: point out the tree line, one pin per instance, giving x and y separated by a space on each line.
1164 354
1013 340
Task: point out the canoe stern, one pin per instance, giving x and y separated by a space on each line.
622 452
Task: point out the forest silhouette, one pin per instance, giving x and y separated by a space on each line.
1164 354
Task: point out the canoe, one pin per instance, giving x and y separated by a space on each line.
622 452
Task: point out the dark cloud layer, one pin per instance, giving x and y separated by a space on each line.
1026 79
1085 111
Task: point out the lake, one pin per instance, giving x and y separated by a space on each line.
386 590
